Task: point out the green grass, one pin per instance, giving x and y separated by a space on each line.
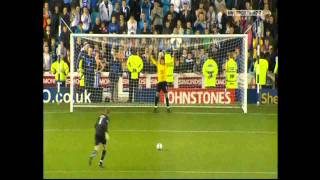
198 143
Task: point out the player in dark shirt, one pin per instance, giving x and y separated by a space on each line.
101 137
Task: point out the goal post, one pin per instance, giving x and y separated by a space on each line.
99 76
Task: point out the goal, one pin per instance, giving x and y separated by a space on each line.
100 77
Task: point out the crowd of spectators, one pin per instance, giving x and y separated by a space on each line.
156 17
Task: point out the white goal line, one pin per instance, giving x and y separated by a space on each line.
145 106
160 171
166 131
146 112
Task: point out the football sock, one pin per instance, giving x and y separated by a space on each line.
103 154
167 100
156 100
94 153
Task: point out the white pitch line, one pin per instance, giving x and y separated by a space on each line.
189 113
166 131
154 171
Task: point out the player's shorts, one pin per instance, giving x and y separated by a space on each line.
100 138
162 86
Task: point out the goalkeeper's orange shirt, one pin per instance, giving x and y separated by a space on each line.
161 70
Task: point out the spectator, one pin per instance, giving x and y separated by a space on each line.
178 29
174 15
46 59
115 73
54 3
272 58
189 62
237 4
65 36
53 48
146 8
222 20
170 20
269 37
68 57
84 4
46 14
197 67
125 10
188 3
94 14
116 11
165 6
74 19
176 5
145 29
202 56
75 3
132 25
266 45
257 5
186 15
206 41
200 10
135 9
177 65
211 16
66 16
200 23
143 20
122 26
104 29
100 64
157 17
166 29
188 30
113 26
219 4
238 57
55 21
61 50
105 10
86 20
67 3
273 28
97 26
265 11
47 34
182 67
214 29
79 29
94 5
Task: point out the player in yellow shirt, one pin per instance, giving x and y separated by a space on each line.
162 80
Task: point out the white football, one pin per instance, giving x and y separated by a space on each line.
159 146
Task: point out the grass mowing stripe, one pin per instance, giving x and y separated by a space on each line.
155 171
167 131
189 113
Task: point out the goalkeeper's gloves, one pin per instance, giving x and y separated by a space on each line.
107 136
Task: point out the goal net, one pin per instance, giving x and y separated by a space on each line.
200 72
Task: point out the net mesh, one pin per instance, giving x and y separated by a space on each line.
101 75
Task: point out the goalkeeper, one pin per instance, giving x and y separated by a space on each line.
162 69
101 137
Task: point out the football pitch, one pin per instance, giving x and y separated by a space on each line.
197 143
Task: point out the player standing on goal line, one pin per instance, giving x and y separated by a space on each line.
162 83
101 137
